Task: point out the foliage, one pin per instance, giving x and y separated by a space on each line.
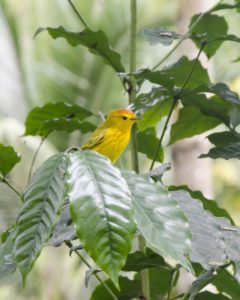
79 194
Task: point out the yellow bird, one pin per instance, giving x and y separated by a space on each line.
112 136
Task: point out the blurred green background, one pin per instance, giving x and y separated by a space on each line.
33 72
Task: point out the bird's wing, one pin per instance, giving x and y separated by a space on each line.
95 139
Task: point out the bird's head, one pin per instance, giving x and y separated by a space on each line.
121 118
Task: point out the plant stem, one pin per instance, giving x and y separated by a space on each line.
183 38
35 156
77 13
175 99
132 95
69 244
4 180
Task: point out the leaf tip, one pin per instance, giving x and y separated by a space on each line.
38 31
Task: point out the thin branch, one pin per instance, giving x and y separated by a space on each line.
69 244
77 13
183 38
35 156
4 180
175 99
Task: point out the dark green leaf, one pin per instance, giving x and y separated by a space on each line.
214 26
211 296
225 6
159 219
198 284
161 35
227 152
57 116
129 289
147 144
8 159
42 201
227 284
208 204
95 41
224 92
235 117
139 260
101 210
224 38
213 107
191 122
237 270
223 138
153 115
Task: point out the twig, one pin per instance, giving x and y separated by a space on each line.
35 156
4 180
175 99
69 244
183 38
77 13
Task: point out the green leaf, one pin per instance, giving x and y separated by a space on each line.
208 247
225 6
129 289
8 159
226 152
147 144
203 280
7 262
101 210
96 42
223 91
213 107
159 219
153 115
235 117
227 284
224 138
139 260
42 201
211 296
57 116
161 35
191 122
208 204
214 26
224 38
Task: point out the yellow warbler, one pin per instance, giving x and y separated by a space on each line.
112 136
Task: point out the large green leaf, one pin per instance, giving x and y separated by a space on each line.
42 201
213 26
227 152
223 138
57 116
101 210
227 284
148 142
154 114
191 122
159 219
8 159
95 41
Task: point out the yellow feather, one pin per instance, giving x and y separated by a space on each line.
111 137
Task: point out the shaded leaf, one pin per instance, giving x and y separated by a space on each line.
222 6
191 122
161 35
159 219
227 284
139 260
42 201
147 144
224 38
57 116
8 159
129 289
100 207
210 296
226 152
214 26
95 41
235 117
198 284
223 138
153 115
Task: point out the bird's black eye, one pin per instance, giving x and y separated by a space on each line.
124 118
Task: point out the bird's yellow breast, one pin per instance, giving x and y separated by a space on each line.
114 143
